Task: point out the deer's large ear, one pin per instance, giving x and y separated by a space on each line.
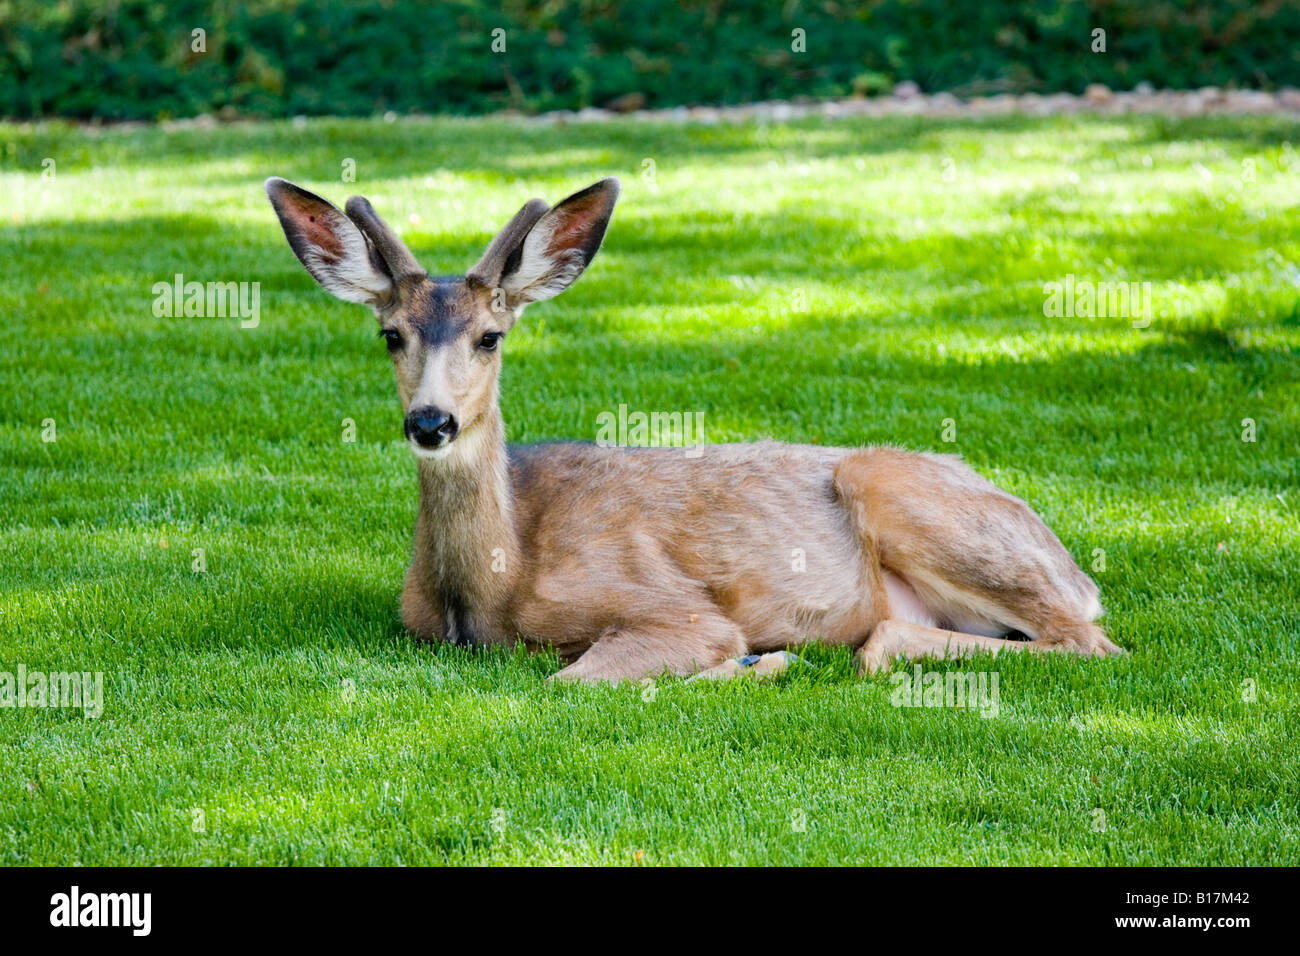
330 246
559 246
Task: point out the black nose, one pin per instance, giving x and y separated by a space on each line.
431 427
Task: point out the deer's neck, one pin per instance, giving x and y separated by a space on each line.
465 535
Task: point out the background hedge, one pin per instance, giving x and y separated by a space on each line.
132 59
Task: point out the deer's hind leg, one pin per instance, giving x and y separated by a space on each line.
964 563
894 638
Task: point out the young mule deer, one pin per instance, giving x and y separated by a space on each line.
632 562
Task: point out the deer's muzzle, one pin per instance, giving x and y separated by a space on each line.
431 427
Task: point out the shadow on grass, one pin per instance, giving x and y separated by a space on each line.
791 366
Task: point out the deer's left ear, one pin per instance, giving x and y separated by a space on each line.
560 246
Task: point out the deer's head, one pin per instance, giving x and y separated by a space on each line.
444 334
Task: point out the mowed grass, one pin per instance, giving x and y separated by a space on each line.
844 283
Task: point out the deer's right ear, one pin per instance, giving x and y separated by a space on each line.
329 245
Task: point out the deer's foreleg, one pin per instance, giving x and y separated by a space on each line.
677 644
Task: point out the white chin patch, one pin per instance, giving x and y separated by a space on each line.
430 454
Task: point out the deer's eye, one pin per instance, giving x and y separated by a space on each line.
392 338
490 341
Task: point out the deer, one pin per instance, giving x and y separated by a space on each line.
630 563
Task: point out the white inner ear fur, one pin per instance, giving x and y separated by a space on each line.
542 274
352 277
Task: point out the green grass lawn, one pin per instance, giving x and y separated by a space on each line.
848 283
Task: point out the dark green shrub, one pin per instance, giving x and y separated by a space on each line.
132 59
